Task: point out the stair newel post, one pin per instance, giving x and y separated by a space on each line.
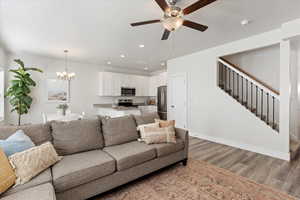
251 107
225 78
267 108
256 100
262 104
229 90
247 93
273 109
238 87
242 89
233 75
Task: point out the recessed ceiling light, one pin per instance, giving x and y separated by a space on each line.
108 62
141 46
122 56
146 68
245 22
162 64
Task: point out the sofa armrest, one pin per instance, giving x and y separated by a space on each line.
184 135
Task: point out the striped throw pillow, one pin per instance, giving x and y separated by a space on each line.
159 135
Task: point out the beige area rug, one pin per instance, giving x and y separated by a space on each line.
197 181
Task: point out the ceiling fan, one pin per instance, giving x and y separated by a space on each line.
173 16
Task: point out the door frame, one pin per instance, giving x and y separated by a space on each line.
184 75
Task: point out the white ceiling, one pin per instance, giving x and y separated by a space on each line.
96 31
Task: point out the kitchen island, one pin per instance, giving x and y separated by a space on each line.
111 110
116 111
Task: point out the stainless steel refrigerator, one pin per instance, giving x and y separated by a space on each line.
162 102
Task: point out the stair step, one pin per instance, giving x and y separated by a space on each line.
294 148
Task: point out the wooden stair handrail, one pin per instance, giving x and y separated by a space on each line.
250 77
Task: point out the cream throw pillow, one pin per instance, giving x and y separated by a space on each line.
165 123
159 135
29 163
7 175
141 128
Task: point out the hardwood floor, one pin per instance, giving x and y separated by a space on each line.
276 173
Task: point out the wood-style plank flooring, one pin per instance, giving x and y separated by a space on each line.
276 173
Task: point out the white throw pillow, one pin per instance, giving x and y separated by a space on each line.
29 163
141 128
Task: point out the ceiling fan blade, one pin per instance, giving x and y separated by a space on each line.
199 4
162 4
166 35
145 22
194 25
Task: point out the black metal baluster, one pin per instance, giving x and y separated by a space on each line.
262 104
267 108
251 97
256 100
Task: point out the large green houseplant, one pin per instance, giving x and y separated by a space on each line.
19 90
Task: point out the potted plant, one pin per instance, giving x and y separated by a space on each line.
62 108
20 89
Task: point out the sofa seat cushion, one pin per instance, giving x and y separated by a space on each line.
131 154
40 192
165 149
42 178
77 169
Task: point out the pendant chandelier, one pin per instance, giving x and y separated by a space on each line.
65 75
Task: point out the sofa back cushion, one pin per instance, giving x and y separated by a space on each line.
38 133
119 130
146 118
77 136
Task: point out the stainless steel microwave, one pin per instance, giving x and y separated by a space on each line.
128 92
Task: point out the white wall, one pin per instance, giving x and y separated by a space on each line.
262 63
83 89
216 116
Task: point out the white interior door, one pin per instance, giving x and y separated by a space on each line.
1 94
177 109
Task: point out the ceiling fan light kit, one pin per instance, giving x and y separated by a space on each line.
173 17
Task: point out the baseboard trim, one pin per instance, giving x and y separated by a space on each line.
248 147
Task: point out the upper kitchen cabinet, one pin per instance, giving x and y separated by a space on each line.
157 81
110 83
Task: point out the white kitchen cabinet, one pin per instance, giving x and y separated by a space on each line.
157 81
142 85
110 84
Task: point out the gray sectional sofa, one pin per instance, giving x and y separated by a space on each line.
99 155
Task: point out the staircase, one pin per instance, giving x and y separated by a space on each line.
254 95
257 97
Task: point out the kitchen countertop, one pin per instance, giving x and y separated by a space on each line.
120 108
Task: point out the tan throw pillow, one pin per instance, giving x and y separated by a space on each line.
29 163
159 135
7 175
141 128
165 123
